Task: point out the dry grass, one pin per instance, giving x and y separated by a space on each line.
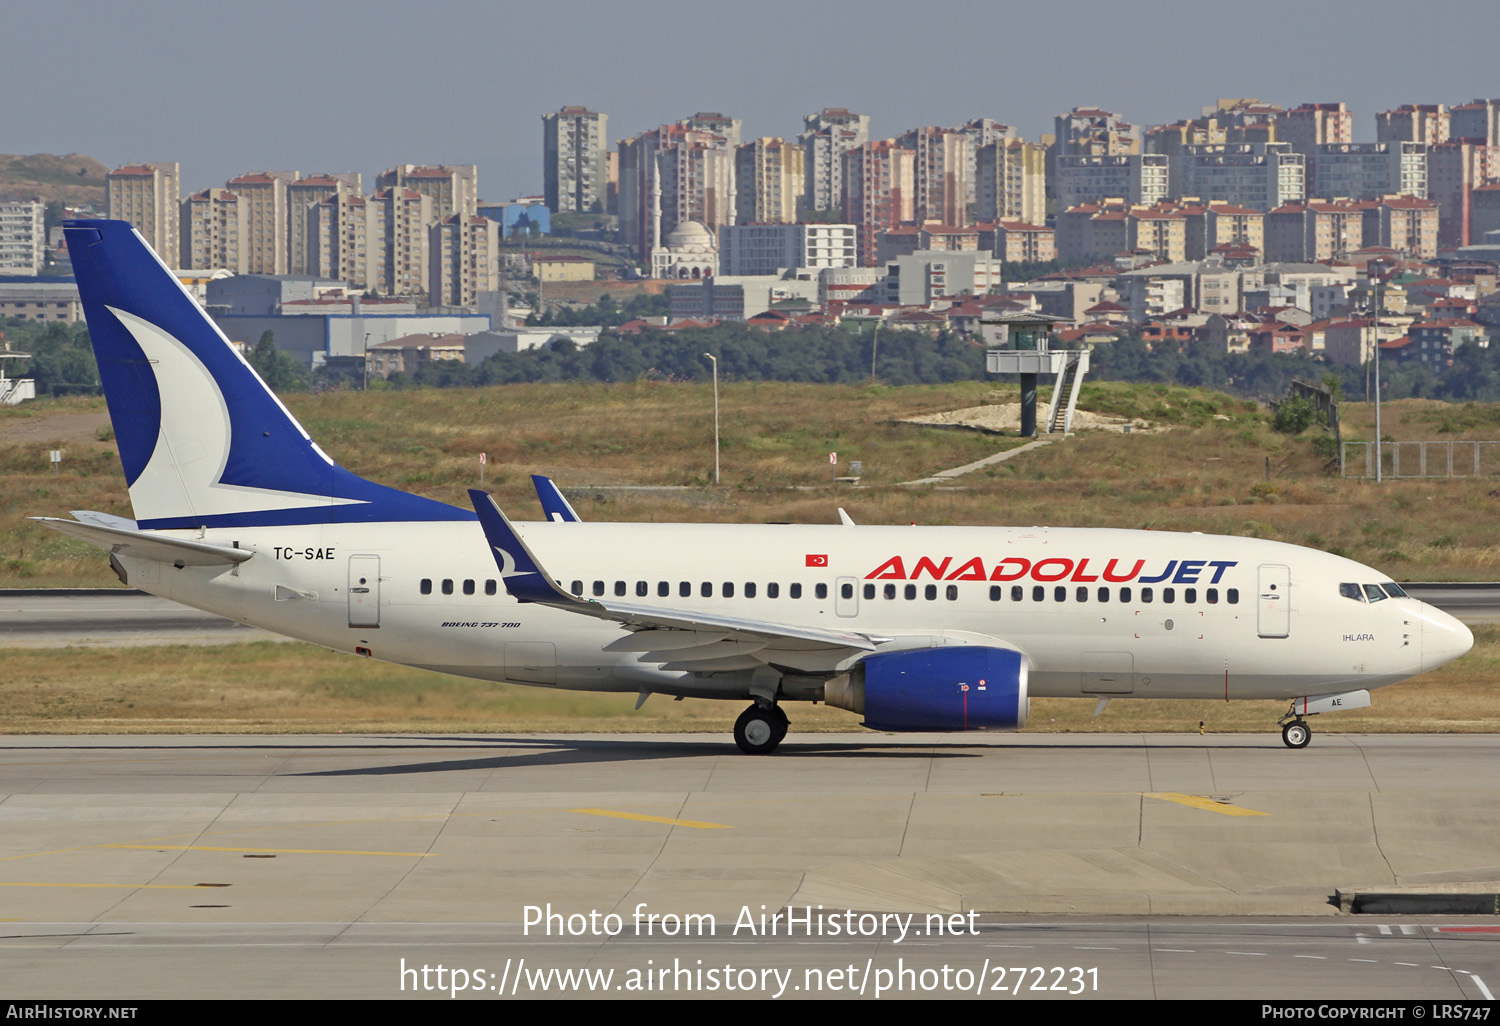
268 687
1208 473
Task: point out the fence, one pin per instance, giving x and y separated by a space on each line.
1420 459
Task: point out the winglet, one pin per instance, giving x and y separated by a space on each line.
524 577
554 504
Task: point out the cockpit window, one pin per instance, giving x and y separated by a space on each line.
1373 593
1394 590
1352 591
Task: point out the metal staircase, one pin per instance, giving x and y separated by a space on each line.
1069 379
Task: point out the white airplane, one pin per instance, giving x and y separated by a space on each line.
239 512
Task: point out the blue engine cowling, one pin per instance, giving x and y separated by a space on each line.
963 687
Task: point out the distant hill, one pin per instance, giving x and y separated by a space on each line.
73 178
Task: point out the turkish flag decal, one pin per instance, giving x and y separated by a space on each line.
818 560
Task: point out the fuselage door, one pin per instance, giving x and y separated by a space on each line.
364 591
846 596
1273 604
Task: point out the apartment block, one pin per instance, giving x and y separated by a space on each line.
942 173
1478 120
1454 170
879 186
1404 223
1371 170
760 249
265 210
714 123
1311 125
1142 178
148 195
575 160
453 189
1413 122
213 230
825 138
463 260
23 237
1315 230
1019 242
769 181
399 218
339 246
982 132
1210 226
1261 176
669 176
1011 181
302 196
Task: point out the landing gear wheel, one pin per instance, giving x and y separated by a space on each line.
759 730
1296 734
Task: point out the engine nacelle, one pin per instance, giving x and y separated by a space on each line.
960 687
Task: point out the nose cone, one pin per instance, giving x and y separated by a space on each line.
1444 638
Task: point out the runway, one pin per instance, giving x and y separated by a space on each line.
1157 865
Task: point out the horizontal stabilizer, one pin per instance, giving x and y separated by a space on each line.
178 552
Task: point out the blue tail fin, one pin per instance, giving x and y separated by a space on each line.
203 441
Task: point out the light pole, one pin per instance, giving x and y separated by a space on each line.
714 360
874 347
1375 301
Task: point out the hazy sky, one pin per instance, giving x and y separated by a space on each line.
227 87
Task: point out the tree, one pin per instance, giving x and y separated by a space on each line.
280 372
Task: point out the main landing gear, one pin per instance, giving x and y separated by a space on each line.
760 729
1295 732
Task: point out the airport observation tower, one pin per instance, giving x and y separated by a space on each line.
1025 348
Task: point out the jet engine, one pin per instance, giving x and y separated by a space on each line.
961 687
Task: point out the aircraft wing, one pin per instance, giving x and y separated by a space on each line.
708 640
178 552
554 503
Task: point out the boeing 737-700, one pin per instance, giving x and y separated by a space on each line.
238 512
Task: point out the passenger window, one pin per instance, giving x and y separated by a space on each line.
1352 591
706 589
869 591
619 587
663 589
821 591
795 591
1213 596
1146 594
1103 594
846 590
1234 596
1190 595
447 587
995 592
930 592
1017 593
469 587
685 589
642 589
911 592
576 589
1060 593
426 588
890 591
598 587
1169 595
1082 595
749 589
773 590
1124 594
489 587
952 593
1038 593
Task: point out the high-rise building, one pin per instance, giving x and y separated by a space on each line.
1454 170
982 132
399 218
1370 170
213 230
1011 183
1138 178
148 196
1413 122
463 260
1312 125
1405 224
23 237
825 138
759 249
942 174
338 239
671 175
452 188
879 185
1315 230
264 210
769 178
575 160
714 123
1478 120
1259 176
302 197
1212 225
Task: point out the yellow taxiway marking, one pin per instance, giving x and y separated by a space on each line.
1198 801
269 851
654 819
